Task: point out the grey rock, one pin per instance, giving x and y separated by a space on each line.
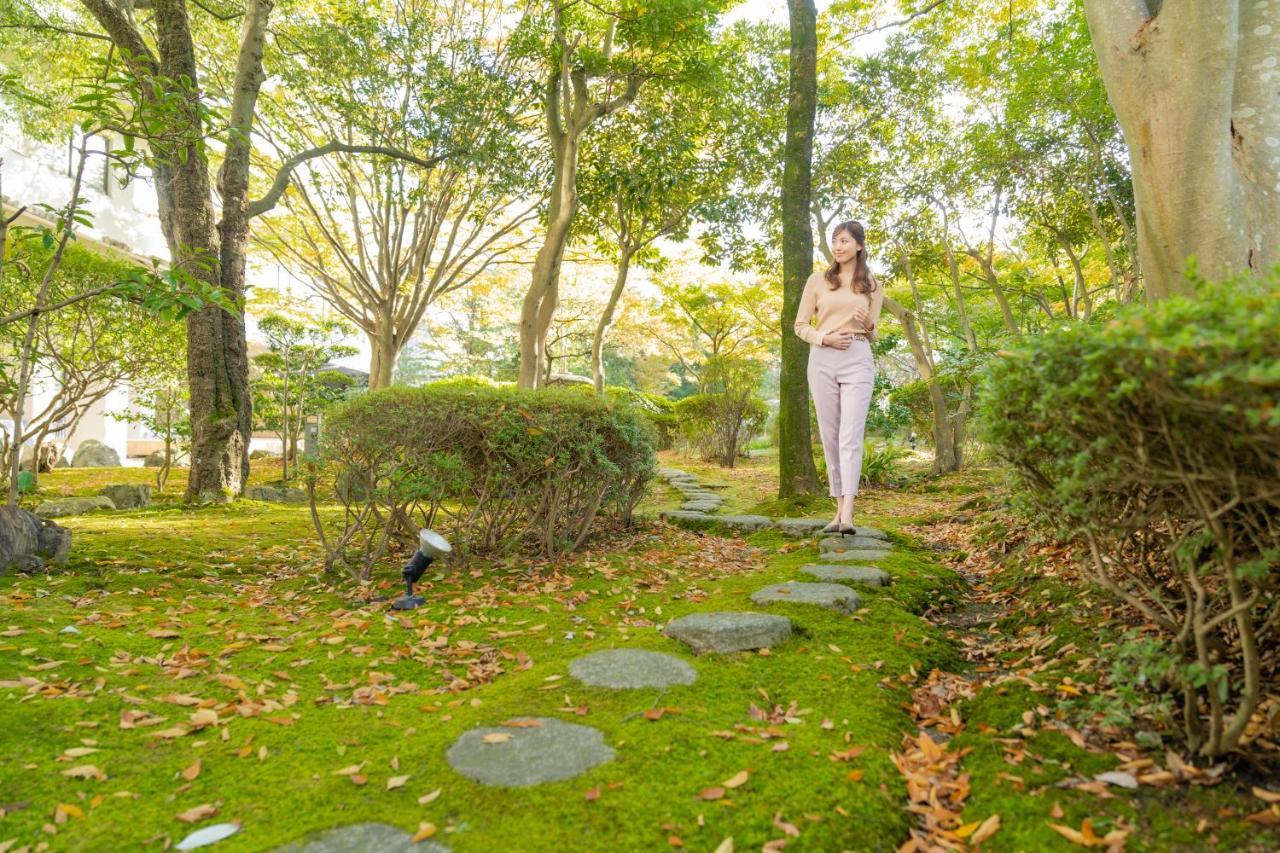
853 543
853 556
800 526
28 542
128 496
362 838
722 632
744 522
73 506
274 494
95 454
668 473
868 575
830 595
687 518
551 751
155 459
50 456
700 506
631 668
868 532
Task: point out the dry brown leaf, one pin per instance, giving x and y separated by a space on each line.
496 737
711 793
1261 793
787 828
192 772
425 831
396 782
198 813
429 798
592 795
85 771
989 827
725 846
737 780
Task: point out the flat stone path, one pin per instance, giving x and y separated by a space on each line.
700 506
721 632
363 838
535 750
833 596
866 575
631 669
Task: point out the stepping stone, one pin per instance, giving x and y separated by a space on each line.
670 473
363 838
700 506
745 522
729 631
631 668
800 526
853 556
681 515
868 532
530 755
853 543
833 596
850 574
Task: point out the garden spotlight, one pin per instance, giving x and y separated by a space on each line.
430 546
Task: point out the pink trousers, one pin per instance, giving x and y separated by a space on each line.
840 382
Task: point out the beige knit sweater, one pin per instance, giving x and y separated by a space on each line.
834 309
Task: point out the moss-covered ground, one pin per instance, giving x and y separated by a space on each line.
323 699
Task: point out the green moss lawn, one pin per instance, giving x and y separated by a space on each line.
193 663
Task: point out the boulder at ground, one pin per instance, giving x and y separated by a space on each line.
868 575
155 459
729 631
128 495
276 494
73 506
50 456
264 454
95 454
28 542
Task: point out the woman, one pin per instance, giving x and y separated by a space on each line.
846 301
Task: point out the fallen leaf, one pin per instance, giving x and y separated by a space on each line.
85 771
80 752
989 827
198 813
350 770
192 772
1118 778
725 846
207 835
429 798
496 737
788 828
396 782
736 781
711 794
1261 793
521 724
425 831
592 795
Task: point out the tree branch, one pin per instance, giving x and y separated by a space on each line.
281 182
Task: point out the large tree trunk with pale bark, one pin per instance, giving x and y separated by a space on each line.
606 318
1197 93
796 472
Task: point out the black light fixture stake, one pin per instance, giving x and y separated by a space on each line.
430 546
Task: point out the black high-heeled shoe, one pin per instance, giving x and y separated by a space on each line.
848 530
833 527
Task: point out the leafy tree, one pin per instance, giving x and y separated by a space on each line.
292 384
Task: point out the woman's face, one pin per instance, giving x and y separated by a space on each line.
844 247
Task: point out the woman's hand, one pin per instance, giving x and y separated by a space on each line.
862 317
838 339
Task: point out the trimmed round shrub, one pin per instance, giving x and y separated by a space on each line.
721 425
1153 440
494 467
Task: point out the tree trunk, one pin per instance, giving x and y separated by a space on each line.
606 319
382 359
796 472
1198 101
944 456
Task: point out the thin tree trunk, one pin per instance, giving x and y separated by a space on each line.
33 321
944 458
797 474
606 319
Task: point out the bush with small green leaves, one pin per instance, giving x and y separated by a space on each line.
492 467
1153 440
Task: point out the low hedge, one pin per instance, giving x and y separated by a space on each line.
1154 441
492 467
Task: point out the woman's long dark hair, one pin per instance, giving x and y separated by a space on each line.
862 280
